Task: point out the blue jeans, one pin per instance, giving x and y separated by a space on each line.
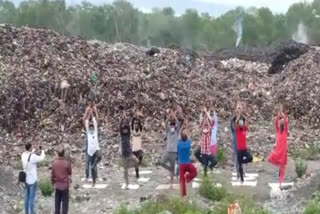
30 191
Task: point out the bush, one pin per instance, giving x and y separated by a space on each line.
46 187
301 167
209 190
221 155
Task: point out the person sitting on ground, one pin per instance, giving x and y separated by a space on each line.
61 178
187 170
30 160
243 154
93 151
128 159
170 156
92 108
137 129
279 155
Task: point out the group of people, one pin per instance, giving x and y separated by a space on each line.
178 150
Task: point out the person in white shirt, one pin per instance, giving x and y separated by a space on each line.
214 141
93 149
29 162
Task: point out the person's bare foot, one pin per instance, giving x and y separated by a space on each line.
93 184
126 186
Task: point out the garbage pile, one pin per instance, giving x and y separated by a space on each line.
46 80
299 86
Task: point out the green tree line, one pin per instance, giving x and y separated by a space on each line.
122 22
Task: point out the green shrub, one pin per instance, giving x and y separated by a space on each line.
221 155
312 208
209 190
46 187
301 167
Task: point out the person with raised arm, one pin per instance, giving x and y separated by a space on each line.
187 170
241 127
279 155
93 149
170 156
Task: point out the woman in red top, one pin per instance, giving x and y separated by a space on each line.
278 156
243 155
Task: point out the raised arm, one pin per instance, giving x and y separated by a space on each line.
95 124
95 112
36 158
86 124
276 122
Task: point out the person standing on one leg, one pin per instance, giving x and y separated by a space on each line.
61 178
173 130
29 162
92 108
137 129
187 170
279 155
243 155
128 159
202 116
93 151
214 139
207 159
234 143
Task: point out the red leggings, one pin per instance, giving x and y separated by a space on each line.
187 173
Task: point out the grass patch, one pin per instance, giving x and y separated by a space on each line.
209 190
313 207
174 206
310 153
221 155
46 187
301 167
181 206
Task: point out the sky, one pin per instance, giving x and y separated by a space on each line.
213 7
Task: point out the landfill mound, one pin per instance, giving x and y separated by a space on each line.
277 57
300 87
35 62
46 82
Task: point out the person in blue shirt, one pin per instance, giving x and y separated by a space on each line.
187 170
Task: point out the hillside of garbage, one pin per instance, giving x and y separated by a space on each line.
46 82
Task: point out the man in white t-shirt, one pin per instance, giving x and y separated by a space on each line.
93 149
29 162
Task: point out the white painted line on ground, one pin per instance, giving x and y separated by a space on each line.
274 185
245 179
90 180
197 179
147 172
246 183
143 180
97 186
195 185
167 186
247 174
131 186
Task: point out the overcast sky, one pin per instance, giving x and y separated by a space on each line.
213 7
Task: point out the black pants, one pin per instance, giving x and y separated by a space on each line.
139 156
61 198
205 160
93 162
243 157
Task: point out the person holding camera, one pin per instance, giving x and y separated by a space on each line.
30 160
